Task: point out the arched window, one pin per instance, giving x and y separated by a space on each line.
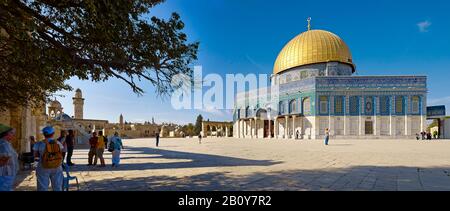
247 112
281 107
306 105
293 106
262 114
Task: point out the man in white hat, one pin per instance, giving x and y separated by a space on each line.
49 154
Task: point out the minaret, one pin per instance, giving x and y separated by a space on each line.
121 121
78 104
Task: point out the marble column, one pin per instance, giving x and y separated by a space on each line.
294 136
226 132
270 128
286 128
376 106
407 123
256 128
238 134
275 128
346 112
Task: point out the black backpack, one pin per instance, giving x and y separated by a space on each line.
111 146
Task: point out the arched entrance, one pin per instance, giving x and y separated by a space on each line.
268 124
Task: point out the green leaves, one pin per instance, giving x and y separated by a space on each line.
43 43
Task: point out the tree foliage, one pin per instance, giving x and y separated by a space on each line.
43 43
189 129
198 125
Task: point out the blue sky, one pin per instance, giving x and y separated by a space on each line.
245 36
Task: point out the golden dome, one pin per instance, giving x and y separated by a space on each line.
311 47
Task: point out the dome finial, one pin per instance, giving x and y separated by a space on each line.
309 23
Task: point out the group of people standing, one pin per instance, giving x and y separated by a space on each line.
50 154
426 136
99 143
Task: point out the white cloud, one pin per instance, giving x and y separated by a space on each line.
423 26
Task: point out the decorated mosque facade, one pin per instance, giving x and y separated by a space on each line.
317 90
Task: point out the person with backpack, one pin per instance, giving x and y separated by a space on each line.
100 149
48 153
9 162
93 150
115 146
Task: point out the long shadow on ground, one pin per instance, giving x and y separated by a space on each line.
368 178
188 160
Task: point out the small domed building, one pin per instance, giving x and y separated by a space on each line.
316 89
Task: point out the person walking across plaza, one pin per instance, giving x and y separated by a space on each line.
200 138
100 149
157 140
70 142
327 136
115 146
49 154
9 160
93 148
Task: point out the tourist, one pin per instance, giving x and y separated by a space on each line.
297 136
116 146
157 140
32 142
62 139
423 133
417 137
93 148
327 136
70 142
429 136
435 134
49 154
200 138
9 162
100 149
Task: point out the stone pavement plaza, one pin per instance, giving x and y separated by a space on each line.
251 165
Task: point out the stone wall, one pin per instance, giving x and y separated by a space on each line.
27 122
